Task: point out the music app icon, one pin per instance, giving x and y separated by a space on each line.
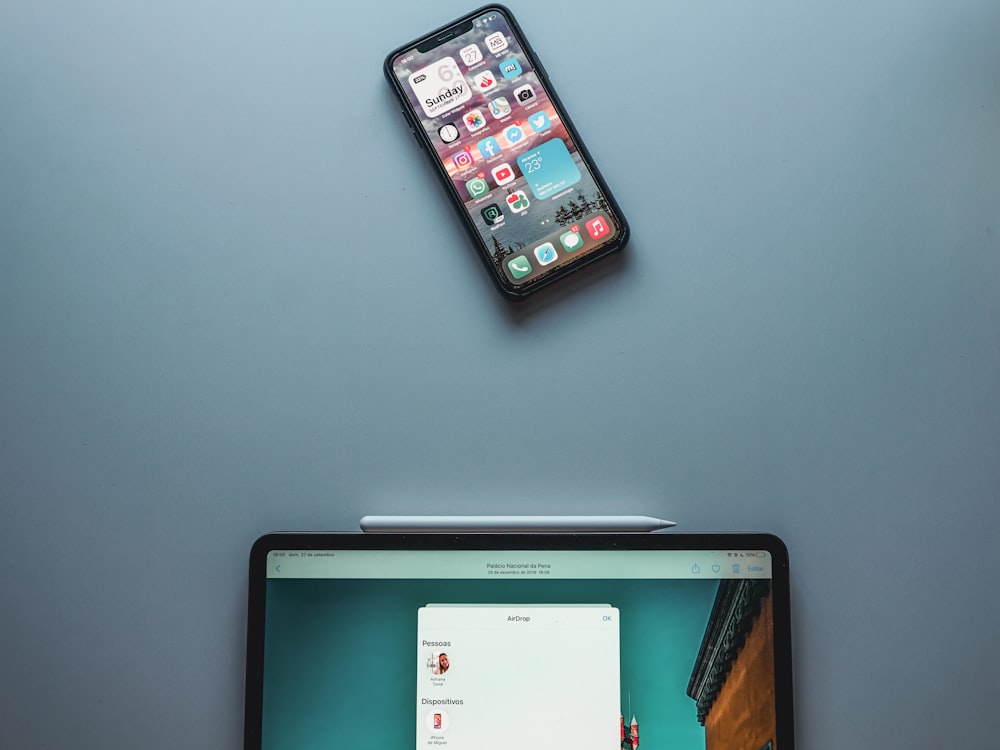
598 227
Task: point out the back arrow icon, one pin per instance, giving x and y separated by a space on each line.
277 568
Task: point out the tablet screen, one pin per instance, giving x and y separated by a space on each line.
492 649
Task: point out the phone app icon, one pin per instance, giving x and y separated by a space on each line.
513 134
546 253
519 266
477 186
503 173
524 94
499 107
462 160
496 42
492 214
571 240
510 68
489 147
470 55
474 120
440 86
448 132
539 121
518 201
485 81
598 227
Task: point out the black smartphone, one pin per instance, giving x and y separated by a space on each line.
480 104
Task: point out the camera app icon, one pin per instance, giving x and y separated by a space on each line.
524 94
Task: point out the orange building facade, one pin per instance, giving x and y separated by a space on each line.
733 678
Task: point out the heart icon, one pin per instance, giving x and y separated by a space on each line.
716 568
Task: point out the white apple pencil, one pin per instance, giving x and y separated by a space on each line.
486 524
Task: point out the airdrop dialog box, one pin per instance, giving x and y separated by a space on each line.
496 677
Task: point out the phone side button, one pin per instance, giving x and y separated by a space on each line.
416 137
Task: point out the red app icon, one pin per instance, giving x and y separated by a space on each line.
503 173
598 227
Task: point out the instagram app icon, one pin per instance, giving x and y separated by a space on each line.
462 160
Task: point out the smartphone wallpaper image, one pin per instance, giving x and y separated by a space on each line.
509 156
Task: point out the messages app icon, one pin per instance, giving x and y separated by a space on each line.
571 240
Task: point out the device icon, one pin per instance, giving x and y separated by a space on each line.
489 147
477 186
462 159
496 42
519 267
448 132
546 253
598 227
485 81
474 120
571 240
524 94
492 214
510 68
499 107
471 55
539 121
503 173
513 134
518 201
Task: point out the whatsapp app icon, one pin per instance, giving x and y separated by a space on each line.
477 186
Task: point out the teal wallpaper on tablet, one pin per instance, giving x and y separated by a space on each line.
340 654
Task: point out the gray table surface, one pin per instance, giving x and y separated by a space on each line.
232 300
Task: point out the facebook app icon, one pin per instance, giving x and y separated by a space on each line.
489 147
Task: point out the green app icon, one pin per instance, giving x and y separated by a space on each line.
519 267
571 241
477 186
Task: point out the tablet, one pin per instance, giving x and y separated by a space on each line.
661 641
